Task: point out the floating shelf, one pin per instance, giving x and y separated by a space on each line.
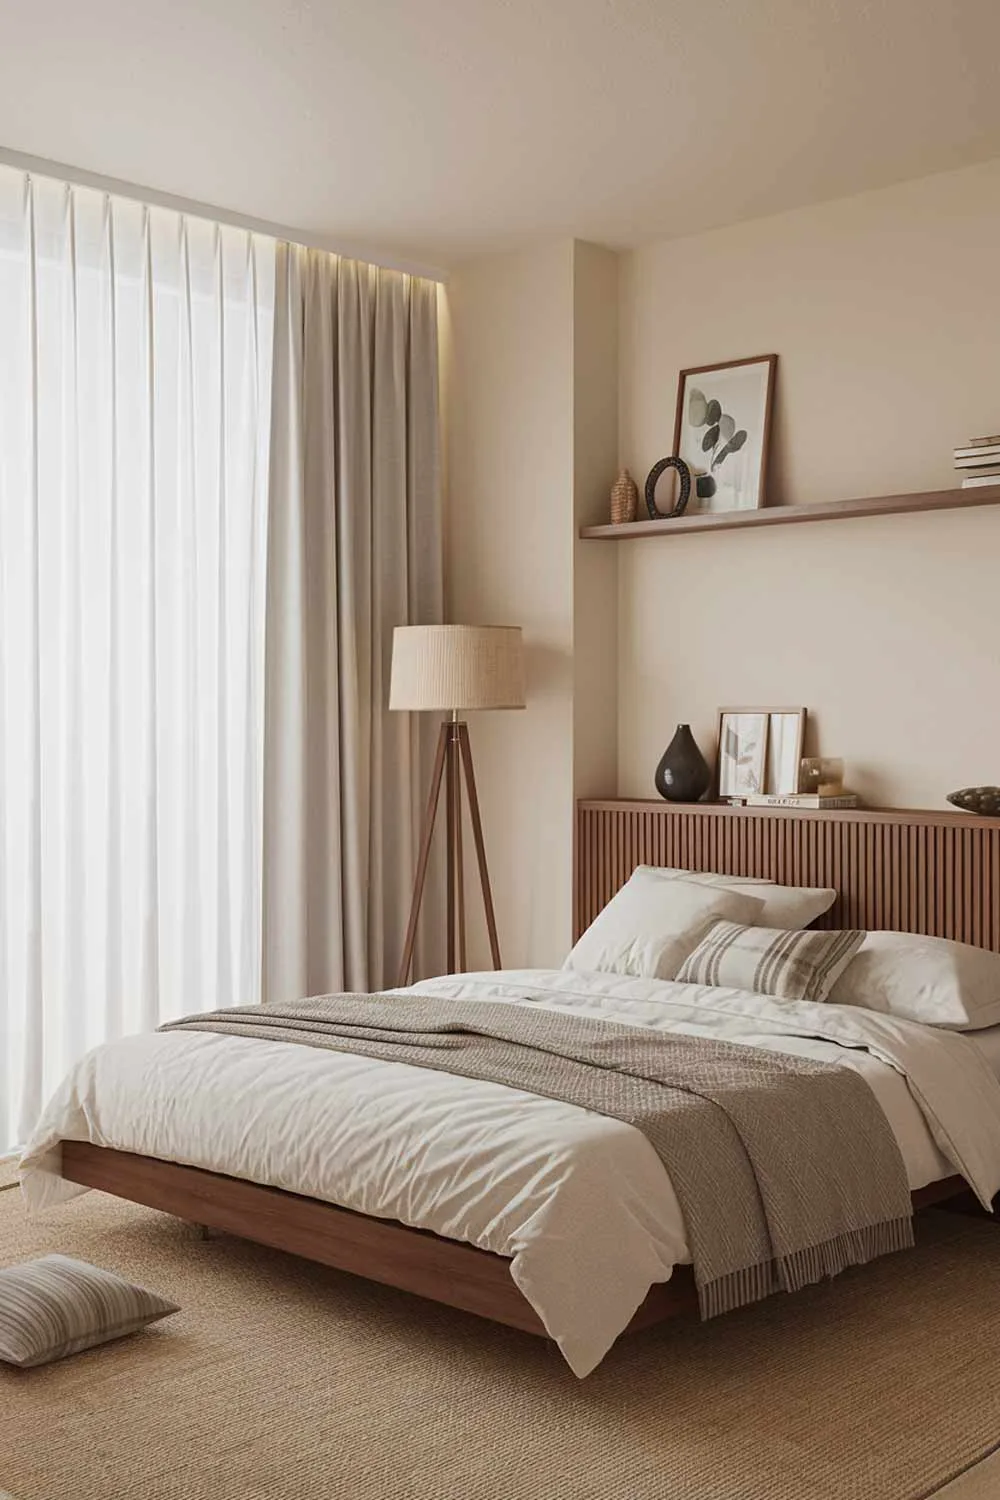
788 515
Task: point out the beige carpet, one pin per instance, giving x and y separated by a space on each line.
285 1381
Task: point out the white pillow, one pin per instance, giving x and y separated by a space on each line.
789 907
926 979
652 925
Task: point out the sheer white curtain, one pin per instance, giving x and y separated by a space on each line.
135 358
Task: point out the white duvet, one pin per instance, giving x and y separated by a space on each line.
580 1204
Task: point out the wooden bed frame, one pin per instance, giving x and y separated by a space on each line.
937 873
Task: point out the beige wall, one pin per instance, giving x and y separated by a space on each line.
532 383
885 313
595 569
508 561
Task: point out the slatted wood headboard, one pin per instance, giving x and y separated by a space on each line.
933 872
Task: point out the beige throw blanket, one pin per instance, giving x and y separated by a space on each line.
786 1169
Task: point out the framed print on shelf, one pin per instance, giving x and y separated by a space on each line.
786 732
760 751
742 751
721 430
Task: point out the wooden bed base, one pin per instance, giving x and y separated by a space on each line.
378 1249
931 872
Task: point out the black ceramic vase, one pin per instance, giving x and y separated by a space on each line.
683 774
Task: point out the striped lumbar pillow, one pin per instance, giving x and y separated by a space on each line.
56 1306
787 965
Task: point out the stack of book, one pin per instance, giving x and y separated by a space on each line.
979 463
794 799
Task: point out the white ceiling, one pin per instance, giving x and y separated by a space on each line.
435 129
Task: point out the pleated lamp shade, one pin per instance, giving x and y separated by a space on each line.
457 667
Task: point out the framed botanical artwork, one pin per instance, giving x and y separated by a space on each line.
722 428
742 751
760 751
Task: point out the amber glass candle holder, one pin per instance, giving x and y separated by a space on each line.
822 775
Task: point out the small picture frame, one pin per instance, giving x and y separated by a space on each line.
742 757
722 429
786 733
760 750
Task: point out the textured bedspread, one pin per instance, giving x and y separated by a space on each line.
786 1168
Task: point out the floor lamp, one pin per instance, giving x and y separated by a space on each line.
454 668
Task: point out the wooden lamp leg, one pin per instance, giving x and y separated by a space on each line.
451 777
456 873
456 757
477 837
453 758
425 851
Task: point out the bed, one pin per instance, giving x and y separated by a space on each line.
506 1204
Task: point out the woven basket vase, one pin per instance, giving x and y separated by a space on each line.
624 499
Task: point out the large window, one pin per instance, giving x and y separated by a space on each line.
135 354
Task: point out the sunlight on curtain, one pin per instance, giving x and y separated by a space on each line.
135 356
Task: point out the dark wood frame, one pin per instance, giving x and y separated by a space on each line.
771 360
800 714
905 866
414 1260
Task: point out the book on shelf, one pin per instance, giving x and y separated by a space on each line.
981 442
988 457
794 799
974 481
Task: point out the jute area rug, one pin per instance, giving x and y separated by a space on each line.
283 1380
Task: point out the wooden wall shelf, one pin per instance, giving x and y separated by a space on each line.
927 817
788 515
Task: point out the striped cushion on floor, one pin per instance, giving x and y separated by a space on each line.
56 1306
787 965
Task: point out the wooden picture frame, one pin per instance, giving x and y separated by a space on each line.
752 419
780 742
785 744
741 751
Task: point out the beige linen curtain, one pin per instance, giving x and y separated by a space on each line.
354 549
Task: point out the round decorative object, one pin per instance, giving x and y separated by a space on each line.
624 499
683 493
978 799
683 774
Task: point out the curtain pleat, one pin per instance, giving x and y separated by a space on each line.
135 365
354 550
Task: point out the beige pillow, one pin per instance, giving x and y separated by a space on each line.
926 979
56 1306
787 965
789 907
651 926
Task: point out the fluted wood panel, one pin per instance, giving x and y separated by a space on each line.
937 873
